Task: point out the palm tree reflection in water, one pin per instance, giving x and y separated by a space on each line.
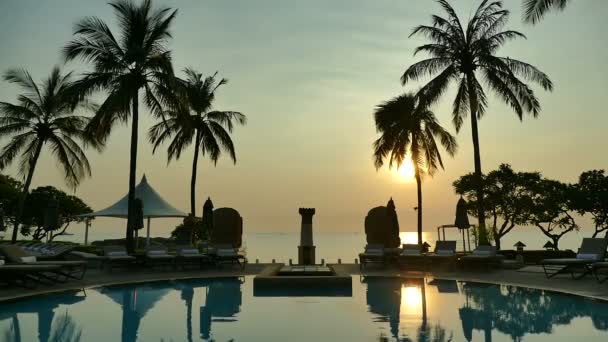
223 301
519 311
64 329
387 297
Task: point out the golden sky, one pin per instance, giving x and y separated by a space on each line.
308 75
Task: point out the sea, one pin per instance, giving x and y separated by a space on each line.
333 246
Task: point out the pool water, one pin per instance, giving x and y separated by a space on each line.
380 309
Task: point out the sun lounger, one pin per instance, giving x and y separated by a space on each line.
597 268
46 251
68 269
159 256
188 255
374 253
485 256
116 256
23 275
593 250
227 254
411 256
444 253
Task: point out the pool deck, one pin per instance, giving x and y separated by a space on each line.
530 276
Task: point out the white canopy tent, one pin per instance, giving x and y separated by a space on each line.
154 207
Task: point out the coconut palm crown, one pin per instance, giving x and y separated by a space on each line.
408 128
535 10
189 118
136 59
466 56
44 115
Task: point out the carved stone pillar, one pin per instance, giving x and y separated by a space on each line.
306 250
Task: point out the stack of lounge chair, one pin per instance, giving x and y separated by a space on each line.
159 256
117 256
188 255
44 251
227 254
590 258
411 256
484 256
444 253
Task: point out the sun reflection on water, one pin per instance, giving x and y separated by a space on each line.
411 300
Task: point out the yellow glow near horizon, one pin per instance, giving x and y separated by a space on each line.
406 171
409 237
411 299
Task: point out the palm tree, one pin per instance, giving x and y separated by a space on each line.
463 55
408 127
190 118
535 10
138 59
44 114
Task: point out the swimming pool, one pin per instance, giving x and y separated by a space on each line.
380 309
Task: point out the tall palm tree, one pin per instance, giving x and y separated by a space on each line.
535 10
465 55
44 114
190 118
123 65
408 127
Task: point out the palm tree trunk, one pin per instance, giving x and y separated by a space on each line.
26 188
483 240
419 191
132 171
193 179
16 328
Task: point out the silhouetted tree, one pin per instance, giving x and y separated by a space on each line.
408 127
35 208
463 54
591 197
137 59
551 209
518 311
191 119
507 197
44 115
10 192
535 10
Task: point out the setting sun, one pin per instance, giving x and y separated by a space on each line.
405 172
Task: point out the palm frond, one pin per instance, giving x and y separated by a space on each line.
427 67
23 78
461 105
407 127
535 10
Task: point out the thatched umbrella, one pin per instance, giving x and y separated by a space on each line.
207 222
462 217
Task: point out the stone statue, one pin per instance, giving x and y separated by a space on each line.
227 227
382 226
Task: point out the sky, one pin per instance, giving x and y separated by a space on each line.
308 75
